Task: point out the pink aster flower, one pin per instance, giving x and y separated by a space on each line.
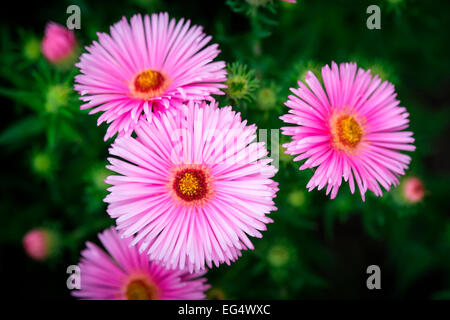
122 273
352 130
413 189
192 185
146 68
59 44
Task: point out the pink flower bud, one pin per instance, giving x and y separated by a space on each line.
59 43
37 244
413 189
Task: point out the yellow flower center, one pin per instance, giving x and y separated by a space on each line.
189 185
148 80
148 84
141 289
348 131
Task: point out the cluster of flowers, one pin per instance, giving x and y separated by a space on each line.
192 182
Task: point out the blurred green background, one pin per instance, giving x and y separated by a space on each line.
53 154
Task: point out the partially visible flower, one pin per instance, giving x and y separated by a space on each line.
122 273
193 186
32 48
42 163
278 255
352 131
302 67
284 157
241 82
39 244
291 1
96 187
56 97
145 68
59 44
97 177
413 189
296 198
384 70
266 97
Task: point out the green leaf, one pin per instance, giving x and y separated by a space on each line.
21 130
28 98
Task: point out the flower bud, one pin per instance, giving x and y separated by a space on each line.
39 244
413 190
56 97
32 49
59 45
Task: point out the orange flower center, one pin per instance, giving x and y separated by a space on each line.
148 84
347 132
141 289
191 184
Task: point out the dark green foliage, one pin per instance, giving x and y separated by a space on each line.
53 154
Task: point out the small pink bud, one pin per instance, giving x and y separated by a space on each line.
59 43
413 189
37 244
